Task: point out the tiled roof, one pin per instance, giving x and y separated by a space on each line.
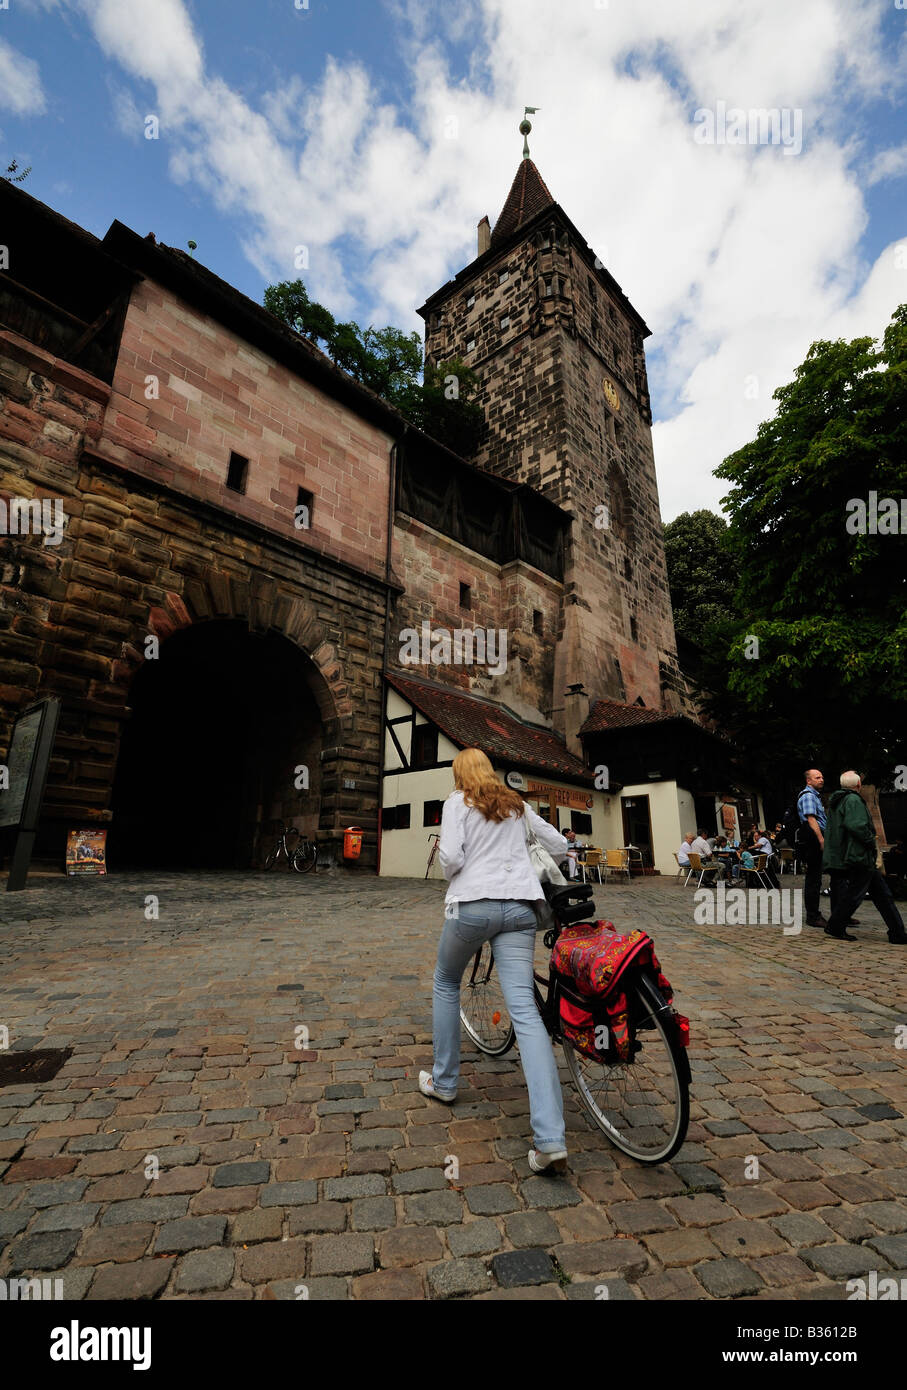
527 196
472 723
611 714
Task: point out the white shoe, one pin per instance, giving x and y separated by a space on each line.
540 1162
427 1087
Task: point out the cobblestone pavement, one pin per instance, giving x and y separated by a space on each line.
324 1167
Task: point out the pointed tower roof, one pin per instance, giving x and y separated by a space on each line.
528 195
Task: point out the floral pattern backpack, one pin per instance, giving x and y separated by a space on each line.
594 958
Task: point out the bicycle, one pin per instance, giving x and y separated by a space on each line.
433 853
303 857
641 1105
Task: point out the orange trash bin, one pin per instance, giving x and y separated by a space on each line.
352 842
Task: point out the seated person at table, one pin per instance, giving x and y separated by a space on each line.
701 847
727 857
683 854
764 846
575 844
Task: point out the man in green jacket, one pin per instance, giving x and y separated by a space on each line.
850 857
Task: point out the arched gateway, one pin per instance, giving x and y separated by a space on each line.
222 745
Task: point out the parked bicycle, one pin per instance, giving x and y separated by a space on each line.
299 851
642 1105
432 853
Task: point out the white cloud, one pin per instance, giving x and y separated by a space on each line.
888 164
20 83
738 257
126 114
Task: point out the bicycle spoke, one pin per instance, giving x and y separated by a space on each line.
482 1008
640 1104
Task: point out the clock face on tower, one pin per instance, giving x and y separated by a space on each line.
611 395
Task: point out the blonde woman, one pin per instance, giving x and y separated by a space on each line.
492 887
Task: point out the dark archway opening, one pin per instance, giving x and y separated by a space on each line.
220 724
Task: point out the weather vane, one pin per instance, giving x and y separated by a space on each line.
526 126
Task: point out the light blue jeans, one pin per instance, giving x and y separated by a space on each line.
511 925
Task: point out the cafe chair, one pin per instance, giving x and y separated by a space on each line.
697 867
758 871
592 860
617 861
787 860
683 870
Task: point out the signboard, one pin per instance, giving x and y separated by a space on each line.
27 763
558 796
86 852
516 780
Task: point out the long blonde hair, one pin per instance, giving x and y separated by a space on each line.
482 788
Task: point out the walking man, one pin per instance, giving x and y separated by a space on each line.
812 842
850 856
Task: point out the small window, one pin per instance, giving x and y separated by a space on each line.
395 818
537 627
628 568
302 517
237 473
633 630
431 812
502 276
465 596
612 314
580 822
618 434
470 303
425 747
471 345
549 286
505 321
617 356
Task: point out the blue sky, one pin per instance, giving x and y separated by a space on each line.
377 133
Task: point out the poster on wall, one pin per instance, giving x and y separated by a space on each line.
86 852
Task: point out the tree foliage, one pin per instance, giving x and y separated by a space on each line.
389 362
702 586
827 605
13 174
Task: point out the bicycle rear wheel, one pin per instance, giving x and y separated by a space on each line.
305 857
483 1012
271 857
643 1105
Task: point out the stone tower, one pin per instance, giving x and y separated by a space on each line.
558 350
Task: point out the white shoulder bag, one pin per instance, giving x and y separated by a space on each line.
547 871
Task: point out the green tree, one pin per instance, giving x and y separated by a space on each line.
389 362
701 583
827 604
290 302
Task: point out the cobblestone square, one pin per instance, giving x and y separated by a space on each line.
188 1148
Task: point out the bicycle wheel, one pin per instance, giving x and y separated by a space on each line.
643 1106
305 857
483 1012
271 857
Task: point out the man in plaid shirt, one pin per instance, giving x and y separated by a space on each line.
812 841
